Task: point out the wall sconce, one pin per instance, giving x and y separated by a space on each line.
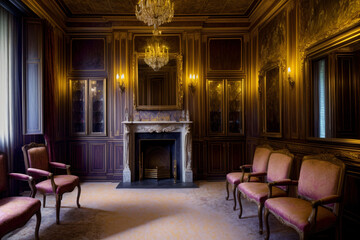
291 80
121 82
193 81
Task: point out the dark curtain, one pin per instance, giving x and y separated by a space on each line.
50 120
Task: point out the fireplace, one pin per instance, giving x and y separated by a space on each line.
166 145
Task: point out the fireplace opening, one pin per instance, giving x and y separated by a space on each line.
157 156
157 160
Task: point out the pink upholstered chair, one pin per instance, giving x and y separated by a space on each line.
279 168
259 166
38 165
316 209
15 212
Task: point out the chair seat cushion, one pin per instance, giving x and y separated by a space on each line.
296 212
235 178
259 191
65 183
16 211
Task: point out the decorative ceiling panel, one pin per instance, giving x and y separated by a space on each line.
182 7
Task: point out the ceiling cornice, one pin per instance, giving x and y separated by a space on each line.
49 11
265 11
57 15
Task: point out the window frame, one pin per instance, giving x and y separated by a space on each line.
328 48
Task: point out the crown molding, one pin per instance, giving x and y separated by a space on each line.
48 10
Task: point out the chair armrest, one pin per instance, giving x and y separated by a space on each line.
243 167
39 172
256 174
284 182
20 176
61 166
326 200
246 166
43 173
29 179
322 201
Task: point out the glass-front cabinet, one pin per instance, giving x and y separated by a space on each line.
225 104
88 106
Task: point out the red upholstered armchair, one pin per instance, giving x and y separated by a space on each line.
259 166
316 209
279 168
15 212
38 165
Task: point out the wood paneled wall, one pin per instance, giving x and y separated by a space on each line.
297 20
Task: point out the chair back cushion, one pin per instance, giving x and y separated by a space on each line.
261 158
3 172
280 163
320 178
38 158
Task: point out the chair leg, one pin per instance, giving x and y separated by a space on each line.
44 200
78 196
33 192
58 205
260 208
227 190
38 221
239 200
234 195
266 218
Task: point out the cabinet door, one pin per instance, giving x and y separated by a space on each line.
97 107
236 156
235 107
216 159
78 100
215 106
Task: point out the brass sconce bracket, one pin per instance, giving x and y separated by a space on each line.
121 83
193 82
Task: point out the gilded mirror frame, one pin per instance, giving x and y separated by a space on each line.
179 84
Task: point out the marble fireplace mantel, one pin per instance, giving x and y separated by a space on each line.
133 127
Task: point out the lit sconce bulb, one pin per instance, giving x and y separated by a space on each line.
291 81
192 82
121 83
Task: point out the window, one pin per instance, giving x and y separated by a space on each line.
320 97
9 80
335 94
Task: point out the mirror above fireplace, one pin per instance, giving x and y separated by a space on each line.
158 90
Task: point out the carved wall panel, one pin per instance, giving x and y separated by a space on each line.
225 54
272 40
322 18
97 158
87 54
78 157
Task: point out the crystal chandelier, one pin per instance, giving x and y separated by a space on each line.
155 12
156 54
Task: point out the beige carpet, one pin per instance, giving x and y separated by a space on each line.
110 213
